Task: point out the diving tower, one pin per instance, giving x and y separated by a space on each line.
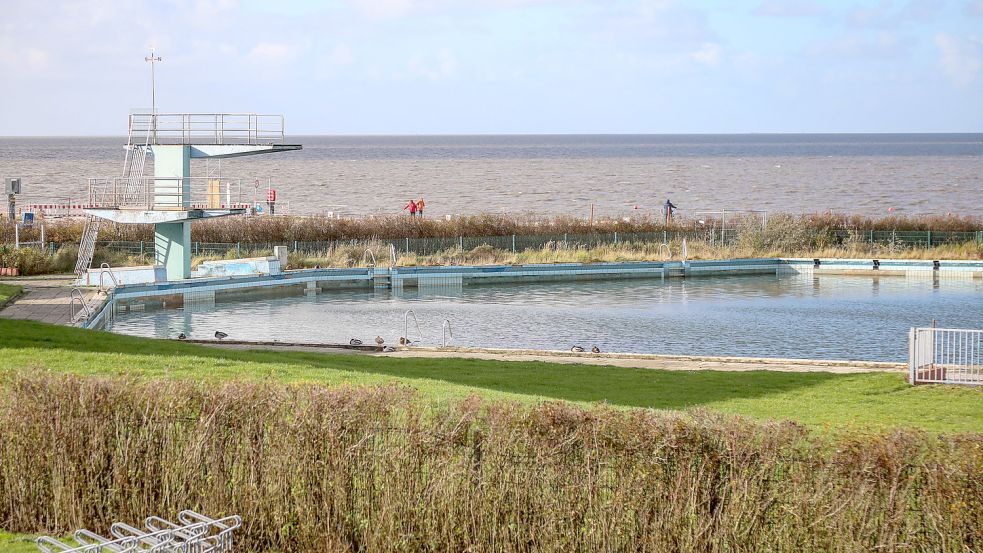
171 199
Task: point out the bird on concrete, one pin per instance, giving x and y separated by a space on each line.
577 349
355 342
403 341
595 349
182 336
388 349
220 335
379 340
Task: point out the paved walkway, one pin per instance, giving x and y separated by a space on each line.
639 361
45 299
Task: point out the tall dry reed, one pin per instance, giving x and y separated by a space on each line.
312 468
314 229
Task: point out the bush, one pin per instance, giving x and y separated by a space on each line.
312 468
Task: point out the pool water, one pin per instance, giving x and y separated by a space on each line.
801 316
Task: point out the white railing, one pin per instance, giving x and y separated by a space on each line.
945 356
166 193
208 128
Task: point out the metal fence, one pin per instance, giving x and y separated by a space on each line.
945 356
518 243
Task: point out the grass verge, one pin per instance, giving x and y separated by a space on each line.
8 293
17 543
823 401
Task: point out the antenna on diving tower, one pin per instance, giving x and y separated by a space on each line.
153 80
171 199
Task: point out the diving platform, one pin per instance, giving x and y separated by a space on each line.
172 198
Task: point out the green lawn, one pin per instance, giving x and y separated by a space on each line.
8 292
820 400
14 543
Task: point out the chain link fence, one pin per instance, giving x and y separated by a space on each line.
517 243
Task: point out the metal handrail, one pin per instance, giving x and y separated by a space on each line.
371 253
392 256
103 269
78 297
406 325
148 192
668 251
445 328
209 128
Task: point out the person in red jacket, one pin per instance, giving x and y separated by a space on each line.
410 205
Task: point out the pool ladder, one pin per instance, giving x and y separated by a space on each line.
406 326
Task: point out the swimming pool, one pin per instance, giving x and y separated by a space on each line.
780 315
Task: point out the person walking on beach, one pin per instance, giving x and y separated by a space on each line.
419 206
410 205
668 209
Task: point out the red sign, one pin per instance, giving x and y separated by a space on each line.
271 195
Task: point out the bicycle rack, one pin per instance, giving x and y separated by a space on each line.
192 533
445 329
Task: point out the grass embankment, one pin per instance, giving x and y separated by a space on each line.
312 468
9 292
822 401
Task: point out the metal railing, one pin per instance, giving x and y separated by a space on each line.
945 356
105 269
429 246
445 329
84 312
406 327
166 193
208 128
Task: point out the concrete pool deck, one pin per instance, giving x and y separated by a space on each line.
623 360
45 299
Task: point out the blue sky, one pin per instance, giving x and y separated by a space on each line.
500 66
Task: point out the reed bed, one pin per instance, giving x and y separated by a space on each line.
314 229
312 468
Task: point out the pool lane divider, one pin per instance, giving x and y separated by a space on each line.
201 293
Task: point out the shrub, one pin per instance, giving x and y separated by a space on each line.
352 469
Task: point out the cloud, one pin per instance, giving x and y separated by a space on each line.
889 14
974 8
272 52
385 9
434 68
962 60
340 55
708 54
882 45
790 8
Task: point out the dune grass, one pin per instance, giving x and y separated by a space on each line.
823 401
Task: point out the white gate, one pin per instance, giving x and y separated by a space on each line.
945 356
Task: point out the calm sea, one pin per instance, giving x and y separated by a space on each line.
867 174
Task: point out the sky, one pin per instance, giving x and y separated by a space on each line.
343 67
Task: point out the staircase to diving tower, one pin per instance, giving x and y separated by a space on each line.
172 198
134 165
